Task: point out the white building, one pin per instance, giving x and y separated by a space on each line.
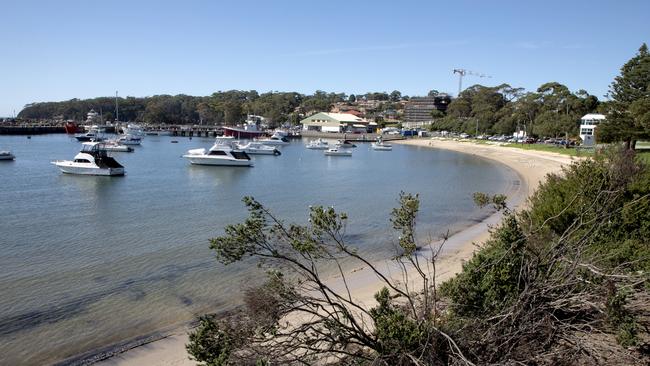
588 124
334 122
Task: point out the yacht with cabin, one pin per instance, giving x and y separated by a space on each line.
114 145
220 153
7 155
258 148
95 133
319 144
91 160
276 139
129 140
336 151
380 145
133 130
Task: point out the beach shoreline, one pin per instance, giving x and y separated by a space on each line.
530 166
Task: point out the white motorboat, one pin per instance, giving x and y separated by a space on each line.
276 139
95 133
338 152
7 155
281 133
345 144
318 145
133 130
258 148
91 160
380 146
113 145
219 154
129 140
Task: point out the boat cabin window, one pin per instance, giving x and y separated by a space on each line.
81 161
217 152
240 155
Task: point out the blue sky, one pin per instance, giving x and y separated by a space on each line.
58 50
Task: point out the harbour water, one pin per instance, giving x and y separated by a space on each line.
87 262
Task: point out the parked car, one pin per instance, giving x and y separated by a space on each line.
464 136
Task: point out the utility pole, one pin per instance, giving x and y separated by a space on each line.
463 72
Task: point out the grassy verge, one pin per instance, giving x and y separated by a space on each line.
539 147
644 156
555 149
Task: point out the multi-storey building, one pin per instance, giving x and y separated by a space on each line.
419 109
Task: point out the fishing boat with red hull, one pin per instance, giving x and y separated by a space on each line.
249 131
71 128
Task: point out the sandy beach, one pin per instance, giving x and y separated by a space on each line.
530 166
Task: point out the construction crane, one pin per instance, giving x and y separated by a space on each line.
463 72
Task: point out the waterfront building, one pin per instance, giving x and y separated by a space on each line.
419 109
588 124
334 122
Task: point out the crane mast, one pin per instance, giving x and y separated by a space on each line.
462 72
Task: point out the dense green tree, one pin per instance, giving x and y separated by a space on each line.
233 112
435 114
625 118
395 96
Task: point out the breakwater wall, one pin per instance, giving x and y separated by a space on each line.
30 130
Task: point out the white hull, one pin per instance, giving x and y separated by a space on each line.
273 142
252 151
130 143
254 148
316 147
382 147
206 160
68 167
338 153
118 148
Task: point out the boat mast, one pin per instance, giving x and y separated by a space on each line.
117 109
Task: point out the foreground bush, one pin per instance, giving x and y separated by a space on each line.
563 282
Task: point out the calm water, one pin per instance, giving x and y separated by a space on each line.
90 261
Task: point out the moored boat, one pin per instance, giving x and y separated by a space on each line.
71 128
345 144
91 160
133 130
113 145
257 148
7 155
95 133
249 130
338 152
319 144
219 154
276 139
380 145
129 140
